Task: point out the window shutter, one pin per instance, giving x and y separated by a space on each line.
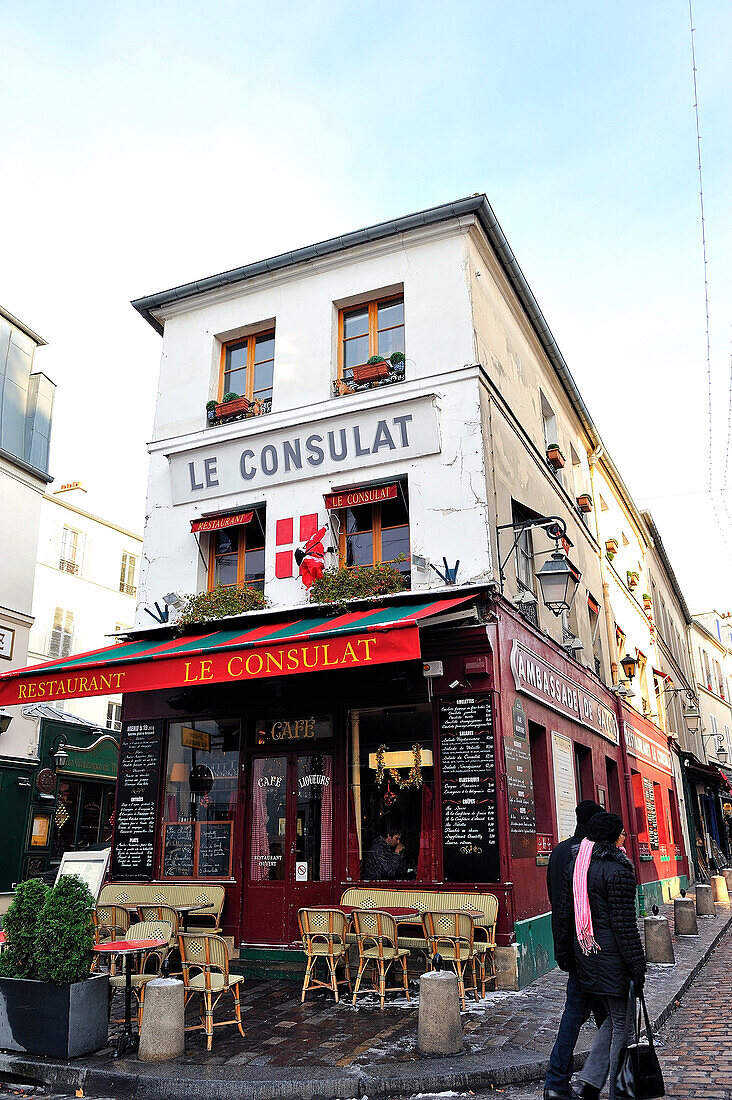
68 636
54 642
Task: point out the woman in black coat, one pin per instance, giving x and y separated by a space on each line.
597 938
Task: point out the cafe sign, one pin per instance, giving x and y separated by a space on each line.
643 748
271 731
335 446
534 676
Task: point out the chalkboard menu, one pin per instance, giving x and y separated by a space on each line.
651 813
520 787
469 817
214 849
178 849
138 776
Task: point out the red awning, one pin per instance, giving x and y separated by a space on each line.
219 523
352 498
265 647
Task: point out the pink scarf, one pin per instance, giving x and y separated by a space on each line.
582 913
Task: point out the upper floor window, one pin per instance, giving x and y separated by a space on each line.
237 554
114 716
62 633
372 533
71 548
248 368
373 329
127 573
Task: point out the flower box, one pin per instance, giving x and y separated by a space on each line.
633 579
554 457
611 545
371 372
584 502
232 408
647 602
58 1021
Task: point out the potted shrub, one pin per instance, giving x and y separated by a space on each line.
51 1003
554 456
220 602
633 579
376 367
232 405
211 411
584 502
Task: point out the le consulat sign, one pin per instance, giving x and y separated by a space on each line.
534 676
337 445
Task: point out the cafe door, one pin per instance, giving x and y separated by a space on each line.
289 857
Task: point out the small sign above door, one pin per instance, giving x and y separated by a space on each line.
273 731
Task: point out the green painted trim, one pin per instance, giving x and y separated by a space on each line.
535 948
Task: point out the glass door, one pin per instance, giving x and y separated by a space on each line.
289 861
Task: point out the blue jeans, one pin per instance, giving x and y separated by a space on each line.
577 1009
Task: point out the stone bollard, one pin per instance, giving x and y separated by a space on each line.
659 948
704 901
685 922
439 1028
719 889
161 1035
727 872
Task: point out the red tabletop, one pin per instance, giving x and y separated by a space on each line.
120 947
2 937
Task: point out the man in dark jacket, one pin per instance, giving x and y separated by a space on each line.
385 858
578 1005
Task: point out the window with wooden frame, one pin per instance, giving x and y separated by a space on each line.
247 368
372 533
236 554
374 328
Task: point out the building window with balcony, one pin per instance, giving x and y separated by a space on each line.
237 554
128 571
62 634
373 329
71 549
247 370
373 533
114 716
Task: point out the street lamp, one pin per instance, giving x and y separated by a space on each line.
558 579
689 708
58 751
629 666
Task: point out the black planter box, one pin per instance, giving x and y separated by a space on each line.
60 1021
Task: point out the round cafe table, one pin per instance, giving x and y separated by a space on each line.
128 948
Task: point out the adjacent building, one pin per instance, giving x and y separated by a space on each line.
26 407
87 572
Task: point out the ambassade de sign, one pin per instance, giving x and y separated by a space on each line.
337 446
534 676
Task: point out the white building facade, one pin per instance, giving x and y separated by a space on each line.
86 579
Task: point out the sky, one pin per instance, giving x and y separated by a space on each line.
148 144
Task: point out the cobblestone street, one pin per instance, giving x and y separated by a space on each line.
694 1045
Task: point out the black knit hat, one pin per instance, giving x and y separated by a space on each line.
604 827
586 810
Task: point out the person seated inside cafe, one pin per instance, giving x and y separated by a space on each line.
385 858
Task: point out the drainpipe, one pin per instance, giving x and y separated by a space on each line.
610 626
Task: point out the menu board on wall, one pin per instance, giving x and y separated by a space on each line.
138 776
651 813
178 849
469 816
520 787
565 789
214 849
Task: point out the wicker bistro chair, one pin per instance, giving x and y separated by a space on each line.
162 912
452 935
323 934
209 955
110 923
485 945
144 930
378 946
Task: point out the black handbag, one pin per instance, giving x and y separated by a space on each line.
639 1074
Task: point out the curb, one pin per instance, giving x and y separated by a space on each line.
142 1081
